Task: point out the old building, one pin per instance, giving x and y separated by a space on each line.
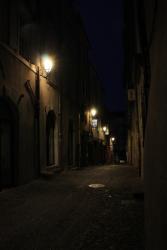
149 39
45 82
92 133
137 77
155 161
29 95
80 91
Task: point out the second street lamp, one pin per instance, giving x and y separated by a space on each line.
104 129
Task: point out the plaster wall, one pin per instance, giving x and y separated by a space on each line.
12 86
155 159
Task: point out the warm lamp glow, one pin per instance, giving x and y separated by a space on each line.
104 128
47 63
113 138
93 112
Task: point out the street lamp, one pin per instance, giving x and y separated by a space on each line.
47 63
104 129
94 123
93 112
113 139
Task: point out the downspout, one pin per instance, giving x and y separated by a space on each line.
37 118
60 130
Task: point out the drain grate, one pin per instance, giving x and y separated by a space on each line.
96 185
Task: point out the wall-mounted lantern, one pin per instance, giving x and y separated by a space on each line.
94 123
47 63
93 112
104 129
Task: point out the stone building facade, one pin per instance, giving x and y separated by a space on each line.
137 78
151 16
41 113
92 135
155 161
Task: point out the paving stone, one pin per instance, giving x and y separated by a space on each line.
63 213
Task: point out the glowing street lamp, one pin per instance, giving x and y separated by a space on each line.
113 139
104 129
47 63
93 112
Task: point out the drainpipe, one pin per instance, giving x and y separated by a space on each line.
37 119
79 140
138 127
60 129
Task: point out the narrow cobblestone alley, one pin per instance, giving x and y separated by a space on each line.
65 213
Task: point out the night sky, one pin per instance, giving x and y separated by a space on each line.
103 22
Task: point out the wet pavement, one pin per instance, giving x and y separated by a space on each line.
71 211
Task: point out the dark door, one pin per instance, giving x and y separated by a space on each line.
6 175
8 146
70 143
50 138
50 146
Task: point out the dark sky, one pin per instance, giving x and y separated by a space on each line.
104 24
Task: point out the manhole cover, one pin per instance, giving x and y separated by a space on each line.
96 185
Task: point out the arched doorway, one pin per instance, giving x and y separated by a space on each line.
8 142
70 143
50 138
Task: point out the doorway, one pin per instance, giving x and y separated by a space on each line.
70 143
7 143
50 138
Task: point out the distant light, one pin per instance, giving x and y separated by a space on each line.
93 112
107 132
113 138
94 123
47 63
104 128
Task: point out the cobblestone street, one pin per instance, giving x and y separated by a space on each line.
65 213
